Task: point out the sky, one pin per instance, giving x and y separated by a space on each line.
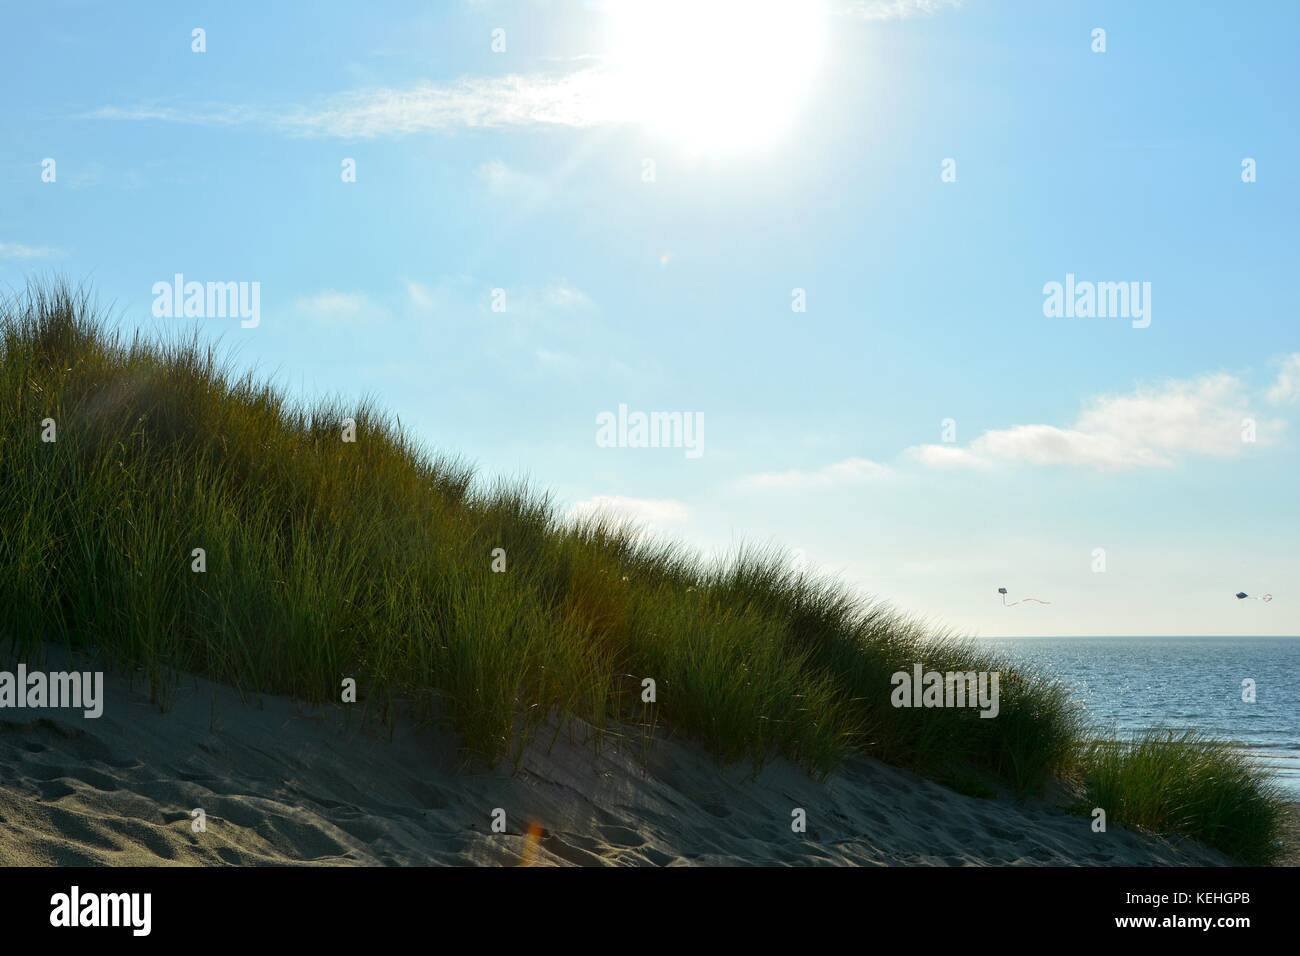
823 232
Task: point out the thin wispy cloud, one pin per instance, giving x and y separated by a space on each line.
1286 389
1151 427
209 115
420 295
577 99
446 295
557 300
331 307
554 307
22 251
850 471
892 9
564 296
553 329
588 95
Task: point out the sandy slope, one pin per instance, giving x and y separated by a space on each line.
281 783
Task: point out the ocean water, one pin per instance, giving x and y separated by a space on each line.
1131 684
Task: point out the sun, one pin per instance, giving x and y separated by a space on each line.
716 76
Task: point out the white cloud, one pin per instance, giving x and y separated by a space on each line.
584 97
850 471
651 513
554 321
449 296
559 307
892 9
565 297
18 250
946 456
1286 389
576 99
203 116
333 307
420 295
1151 427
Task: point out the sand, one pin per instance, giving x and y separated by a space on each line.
282 783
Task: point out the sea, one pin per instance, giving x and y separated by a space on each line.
1132 684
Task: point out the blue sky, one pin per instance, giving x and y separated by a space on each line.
524 170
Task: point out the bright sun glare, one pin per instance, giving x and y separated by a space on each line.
714 75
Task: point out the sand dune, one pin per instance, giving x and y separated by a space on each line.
285 784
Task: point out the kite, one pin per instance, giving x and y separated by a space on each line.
1003 592
1242 595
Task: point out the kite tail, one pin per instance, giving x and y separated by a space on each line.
1022 601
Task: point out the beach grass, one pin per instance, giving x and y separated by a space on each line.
1190 784
324 559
